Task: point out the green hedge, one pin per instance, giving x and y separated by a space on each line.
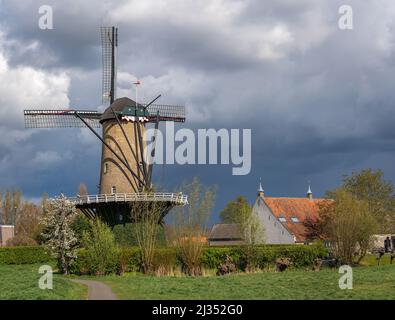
212 257
264 256
23 255
167 257
129 260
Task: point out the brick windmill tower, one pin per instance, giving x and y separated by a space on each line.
125 174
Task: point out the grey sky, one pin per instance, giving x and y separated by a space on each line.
319 100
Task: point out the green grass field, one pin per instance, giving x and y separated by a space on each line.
369 283
371 260
21 282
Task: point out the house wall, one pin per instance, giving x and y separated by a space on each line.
6 233
274 231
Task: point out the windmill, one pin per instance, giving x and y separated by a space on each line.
125 175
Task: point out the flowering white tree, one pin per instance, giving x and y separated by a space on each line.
59 237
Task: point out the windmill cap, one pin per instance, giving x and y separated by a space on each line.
118 106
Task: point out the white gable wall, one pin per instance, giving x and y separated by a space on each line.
275 232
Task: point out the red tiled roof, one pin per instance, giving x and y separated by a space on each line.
300 208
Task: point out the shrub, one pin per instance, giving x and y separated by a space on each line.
123 262
23 255
282 264
125 235
80 265
80 225
227 267
190 250
130 259
165 260
317 264
102 254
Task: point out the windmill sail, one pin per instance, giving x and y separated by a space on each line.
60 118
166 112
109 42
67 119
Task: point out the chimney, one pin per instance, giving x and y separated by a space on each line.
309 193
261 192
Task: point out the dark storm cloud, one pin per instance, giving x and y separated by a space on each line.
74 41
319 100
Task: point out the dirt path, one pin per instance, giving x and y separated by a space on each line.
97 290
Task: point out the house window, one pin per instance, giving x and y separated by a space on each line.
282 219
295 219
113 189
105 168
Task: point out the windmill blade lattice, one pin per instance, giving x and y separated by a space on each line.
166 113
60 119
109 42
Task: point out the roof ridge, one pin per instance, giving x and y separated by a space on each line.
297 198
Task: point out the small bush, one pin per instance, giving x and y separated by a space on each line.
80 265
123 262
282 264
102 254
130 259
227 267
317 264
23 255
165 260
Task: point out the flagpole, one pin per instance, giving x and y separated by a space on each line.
136 84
